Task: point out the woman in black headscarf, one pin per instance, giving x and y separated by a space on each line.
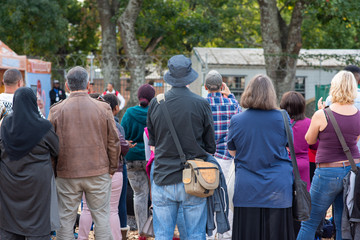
27 193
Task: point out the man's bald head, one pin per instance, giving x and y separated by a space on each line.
12 77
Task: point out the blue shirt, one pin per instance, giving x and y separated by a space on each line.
263 170
222 109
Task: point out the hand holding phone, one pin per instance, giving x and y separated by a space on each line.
225 90
321 104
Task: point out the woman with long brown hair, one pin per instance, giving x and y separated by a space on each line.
263 176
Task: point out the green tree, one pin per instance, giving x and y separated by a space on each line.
332 24
240 25
178 26
33 27
329 24
83 34
164 27
49 27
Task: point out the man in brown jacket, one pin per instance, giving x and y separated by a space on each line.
88 156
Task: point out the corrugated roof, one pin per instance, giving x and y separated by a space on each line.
255 56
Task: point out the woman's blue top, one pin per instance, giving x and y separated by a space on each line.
263 170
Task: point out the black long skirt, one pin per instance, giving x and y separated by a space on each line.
263 224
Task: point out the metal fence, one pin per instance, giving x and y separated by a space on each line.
155 66
155 69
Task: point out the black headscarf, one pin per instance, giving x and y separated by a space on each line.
23 129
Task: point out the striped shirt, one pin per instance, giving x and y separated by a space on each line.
222 109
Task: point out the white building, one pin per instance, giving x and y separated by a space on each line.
239 65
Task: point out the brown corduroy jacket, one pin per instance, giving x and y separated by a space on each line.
89 144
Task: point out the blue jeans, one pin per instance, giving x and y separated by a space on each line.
180 221
326 189
122 202
166 202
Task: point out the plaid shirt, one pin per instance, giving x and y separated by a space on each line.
222 109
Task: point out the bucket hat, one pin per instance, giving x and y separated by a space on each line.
180 71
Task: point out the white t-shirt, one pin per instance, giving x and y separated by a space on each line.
120 97
7 100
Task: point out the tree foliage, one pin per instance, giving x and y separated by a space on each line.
240 25
332 24
83 27
33 27
179 24
48 27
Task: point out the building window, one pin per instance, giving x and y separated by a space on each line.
236 85
300 84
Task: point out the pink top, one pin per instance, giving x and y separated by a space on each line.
330 149
301 149
152 157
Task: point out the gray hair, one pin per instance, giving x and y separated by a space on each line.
213 80
77 78
12 76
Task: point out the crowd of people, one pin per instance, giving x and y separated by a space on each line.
84 155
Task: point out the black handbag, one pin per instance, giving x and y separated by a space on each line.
301 197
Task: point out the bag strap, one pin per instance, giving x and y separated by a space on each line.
161 100
291 145
293 124
340 136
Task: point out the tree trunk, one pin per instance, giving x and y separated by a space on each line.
108 9
135 54
281 43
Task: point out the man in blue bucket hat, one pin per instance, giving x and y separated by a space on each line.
192 119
